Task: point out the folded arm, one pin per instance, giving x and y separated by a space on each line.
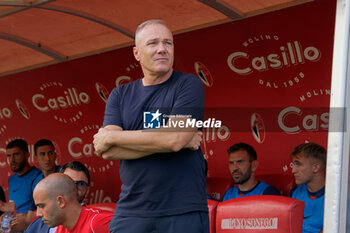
112 142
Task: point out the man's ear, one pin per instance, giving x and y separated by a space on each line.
255 165
136 53
55 154
27 155
61 201
316 167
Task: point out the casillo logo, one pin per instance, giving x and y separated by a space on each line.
98 197
71 98
83 148
309 122
291 53
285 57
77 148
249 223
212 135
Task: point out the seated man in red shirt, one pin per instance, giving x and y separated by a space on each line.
57 204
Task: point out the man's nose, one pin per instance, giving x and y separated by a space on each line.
235 170
39 213
161 48
235 167
11 158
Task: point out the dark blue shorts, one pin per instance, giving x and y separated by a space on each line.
194 222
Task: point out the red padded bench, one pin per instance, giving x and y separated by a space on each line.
212 214
262 214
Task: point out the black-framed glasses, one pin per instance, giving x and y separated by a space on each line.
81 184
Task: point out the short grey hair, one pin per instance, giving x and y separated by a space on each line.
149 22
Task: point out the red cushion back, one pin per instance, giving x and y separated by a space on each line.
212 214
262 214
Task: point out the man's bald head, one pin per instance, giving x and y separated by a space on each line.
56 199
57 184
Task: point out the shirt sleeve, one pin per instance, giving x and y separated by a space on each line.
36 181
227 195
112 112
32 205
190 98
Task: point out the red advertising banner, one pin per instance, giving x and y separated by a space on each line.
267 79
